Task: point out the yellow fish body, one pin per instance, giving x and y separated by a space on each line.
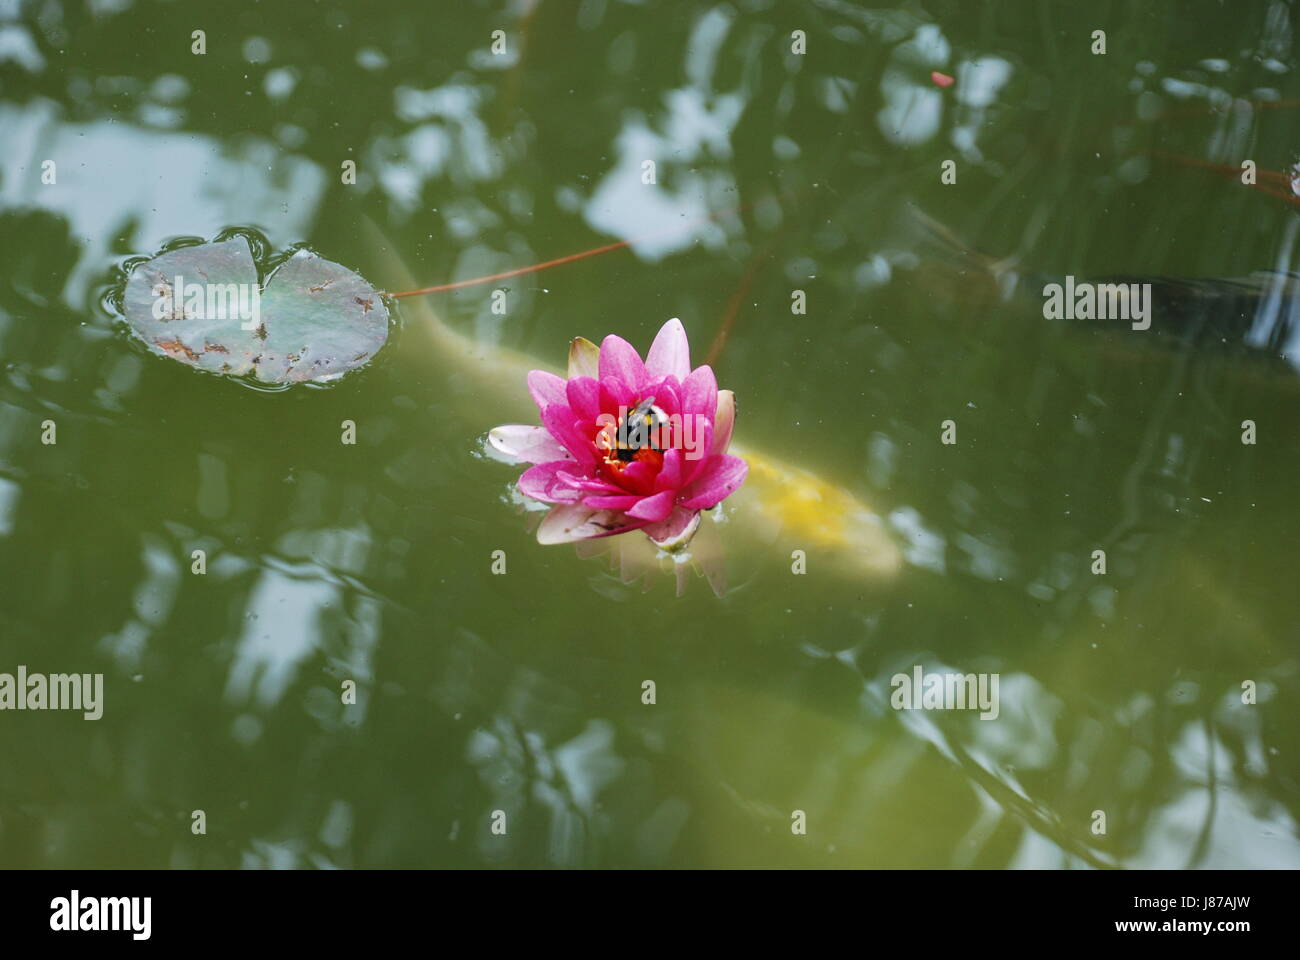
800 510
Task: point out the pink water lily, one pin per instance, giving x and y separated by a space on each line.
601 483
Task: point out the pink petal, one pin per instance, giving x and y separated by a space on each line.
559 419
546 388
700 393
720 478
613 503
653 509
618 358
676 530
543 483
695 457
529 444
723 422
588 482
575 521
670 475
583 395
614 393
670 354
639 477
667 394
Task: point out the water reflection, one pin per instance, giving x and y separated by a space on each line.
519 770
522 693
165 184
282 630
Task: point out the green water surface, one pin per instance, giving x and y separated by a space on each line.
523 693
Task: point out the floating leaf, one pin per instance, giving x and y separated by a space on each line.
313 319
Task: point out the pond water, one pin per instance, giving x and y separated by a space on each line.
1145 714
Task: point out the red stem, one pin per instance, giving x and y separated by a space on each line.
733 305
608 248
1272 176
559 261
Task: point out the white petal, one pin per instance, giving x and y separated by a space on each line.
676 531
723 421
584 359
569 522
527 444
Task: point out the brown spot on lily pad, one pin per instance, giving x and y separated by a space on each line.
177 349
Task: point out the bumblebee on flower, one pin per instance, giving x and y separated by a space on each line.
626 444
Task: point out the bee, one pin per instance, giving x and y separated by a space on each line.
637 434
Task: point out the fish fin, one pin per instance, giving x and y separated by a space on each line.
941 243
392 273
395 271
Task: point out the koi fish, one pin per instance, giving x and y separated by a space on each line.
781 506
1258 313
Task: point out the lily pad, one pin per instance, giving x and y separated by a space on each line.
312 320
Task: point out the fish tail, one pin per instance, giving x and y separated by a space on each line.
940 244
449 347
393 273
